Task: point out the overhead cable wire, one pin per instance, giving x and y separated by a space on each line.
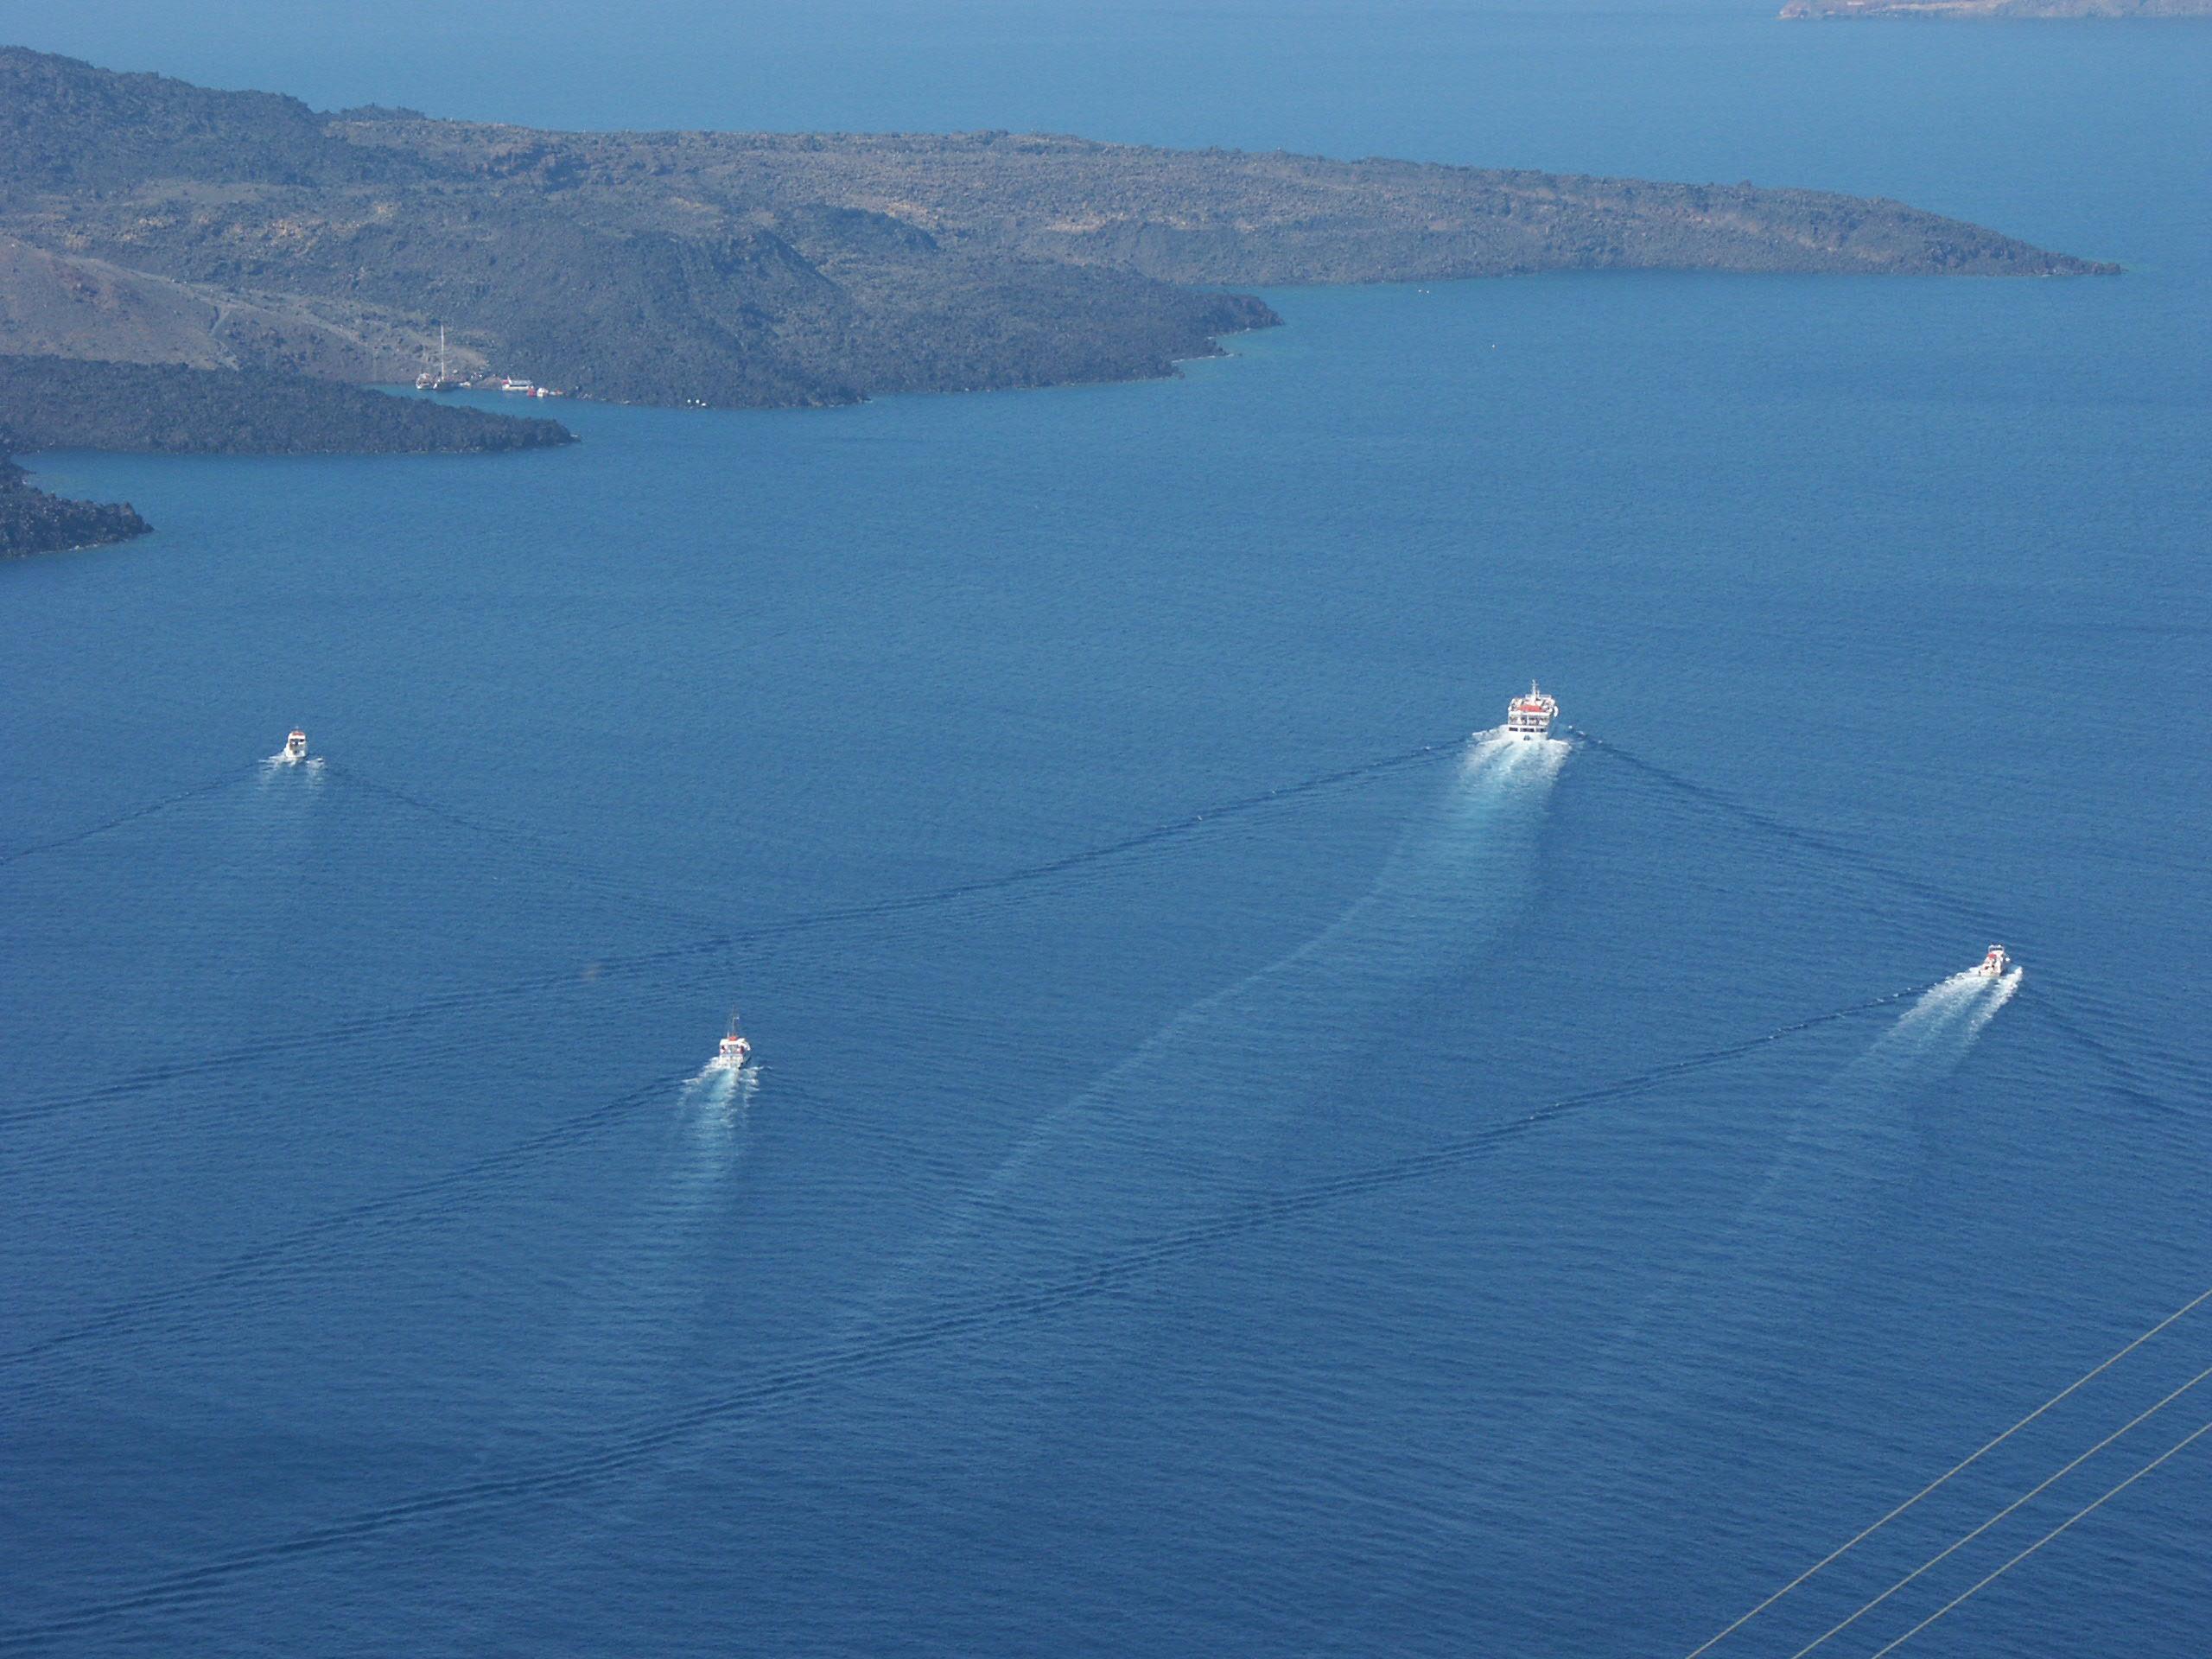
2034 1492
1987 1446
2086 1510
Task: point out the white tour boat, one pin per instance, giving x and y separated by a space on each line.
295 746
735 1050
1994 964
1529 718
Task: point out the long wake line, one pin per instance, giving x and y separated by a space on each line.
1783 828
236 775
273 1255
1490 781
867 1354
285 1250
2128 1082
327 1037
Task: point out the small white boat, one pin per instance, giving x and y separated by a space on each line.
295 746
735 1050
1529 718
1994 964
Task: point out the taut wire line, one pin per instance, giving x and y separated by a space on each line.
2042 1486
1844 1549
2086 1510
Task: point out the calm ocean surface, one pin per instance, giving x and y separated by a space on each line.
1234 1166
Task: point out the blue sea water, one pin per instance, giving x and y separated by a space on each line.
1235 1164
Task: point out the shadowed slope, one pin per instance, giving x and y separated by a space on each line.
158 222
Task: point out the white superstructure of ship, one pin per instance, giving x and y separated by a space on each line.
735 1049
1994 964
1528 719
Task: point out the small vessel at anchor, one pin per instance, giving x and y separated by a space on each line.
443 379
1994 964
1529 718
295 746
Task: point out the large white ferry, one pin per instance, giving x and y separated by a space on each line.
1529 718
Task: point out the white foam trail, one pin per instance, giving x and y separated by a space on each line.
1934 1035
723 1094
1547 754
716 1075
639 1296
1841 1132
714 1108
1737 1291
1123 1152
1844 1144
1939 1012
2001 991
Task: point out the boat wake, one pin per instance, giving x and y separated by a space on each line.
1934 1034
1737 1296
2169 1071
714 1110
720 1086
414 1035
1128 1155
1845 1143
621 1320
1758 1278
146 810
605 1451
695 961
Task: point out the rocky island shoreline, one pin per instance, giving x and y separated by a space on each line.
189 270
147 219
32 521
55 402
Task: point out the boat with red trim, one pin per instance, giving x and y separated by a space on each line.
1529 718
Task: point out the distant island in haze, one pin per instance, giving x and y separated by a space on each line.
146 221
144 218
1798 8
